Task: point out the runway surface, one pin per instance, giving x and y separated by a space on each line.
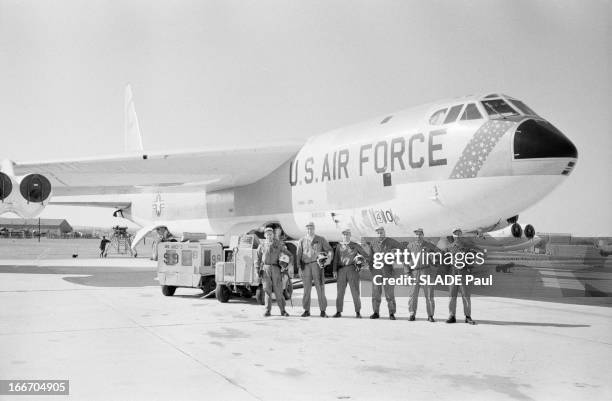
105 326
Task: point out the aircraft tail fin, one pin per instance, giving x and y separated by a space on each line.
133 136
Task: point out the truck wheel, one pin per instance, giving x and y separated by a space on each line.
288 291
223 293
260 296
168 290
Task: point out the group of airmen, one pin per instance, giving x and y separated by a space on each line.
314 253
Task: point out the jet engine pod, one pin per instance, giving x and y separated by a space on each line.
529 231
516 230
35 188
6 186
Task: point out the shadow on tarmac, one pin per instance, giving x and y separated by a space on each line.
531 324
93 276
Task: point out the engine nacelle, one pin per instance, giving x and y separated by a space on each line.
7 184
24 196
35 188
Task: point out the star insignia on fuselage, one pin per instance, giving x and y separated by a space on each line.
158 205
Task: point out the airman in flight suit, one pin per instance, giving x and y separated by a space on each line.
420 269
308 249
457 247
383 245
346 271
269 270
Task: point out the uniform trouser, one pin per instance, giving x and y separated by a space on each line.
272 283
413 301
348 275
312 272
465 294
387 272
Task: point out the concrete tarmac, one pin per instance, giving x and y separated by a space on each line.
105 326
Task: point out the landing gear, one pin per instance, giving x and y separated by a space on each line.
505 268
529 231
518 231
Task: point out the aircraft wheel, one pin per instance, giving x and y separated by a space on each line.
223 293
168 290
260 296
529 231
517 230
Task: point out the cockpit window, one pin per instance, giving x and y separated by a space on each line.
437 117
522 107
498 107
471 113
453 113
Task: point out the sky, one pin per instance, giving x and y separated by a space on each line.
218 73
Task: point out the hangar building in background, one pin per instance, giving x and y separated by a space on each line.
17 227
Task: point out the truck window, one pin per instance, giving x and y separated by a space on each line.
186 258
206 257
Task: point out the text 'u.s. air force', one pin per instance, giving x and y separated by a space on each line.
384 156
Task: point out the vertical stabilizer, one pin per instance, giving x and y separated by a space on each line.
133 137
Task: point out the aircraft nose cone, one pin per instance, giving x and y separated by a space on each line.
537 139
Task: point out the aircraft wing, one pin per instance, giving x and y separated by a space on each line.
212 169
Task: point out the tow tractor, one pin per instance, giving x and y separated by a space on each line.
188 265
236 274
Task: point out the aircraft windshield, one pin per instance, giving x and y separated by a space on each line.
522 107
498 107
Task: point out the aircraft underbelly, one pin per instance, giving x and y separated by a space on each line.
436 206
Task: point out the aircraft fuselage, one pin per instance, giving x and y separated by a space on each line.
402 171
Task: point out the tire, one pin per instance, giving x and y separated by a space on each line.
260 295
223 293
288 291
529 231
517 230
168 290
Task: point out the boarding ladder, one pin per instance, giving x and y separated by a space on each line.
120 242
